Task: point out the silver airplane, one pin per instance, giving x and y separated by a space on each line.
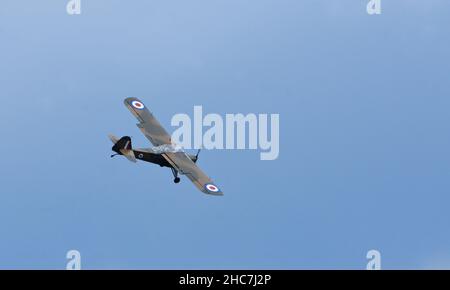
164 153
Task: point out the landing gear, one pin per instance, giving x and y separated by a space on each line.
175 175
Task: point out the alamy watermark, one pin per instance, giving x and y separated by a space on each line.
73 7
374 257
74 260
236 131
374 7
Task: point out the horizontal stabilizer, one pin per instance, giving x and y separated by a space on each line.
113 138
129 154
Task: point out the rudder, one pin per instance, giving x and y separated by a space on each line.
122 143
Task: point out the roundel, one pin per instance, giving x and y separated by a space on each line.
138 105
211 187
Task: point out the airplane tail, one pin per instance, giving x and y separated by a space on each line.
123 147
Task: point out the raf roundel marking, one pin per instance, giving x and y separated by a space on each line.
138 105
211 187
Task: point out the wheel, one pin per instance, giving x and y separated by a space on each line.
176 180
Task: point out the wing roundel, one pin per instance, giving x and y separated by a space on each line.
148 124
184 165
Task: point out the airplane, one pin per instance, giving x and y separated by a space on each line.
164 153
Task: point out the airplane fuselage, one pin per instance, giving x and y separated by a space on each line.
152 158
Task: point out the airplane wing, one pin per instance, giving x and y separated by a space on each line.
158 136
184 165
148 124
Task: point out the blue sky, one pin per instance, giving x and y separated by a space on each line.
364 133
